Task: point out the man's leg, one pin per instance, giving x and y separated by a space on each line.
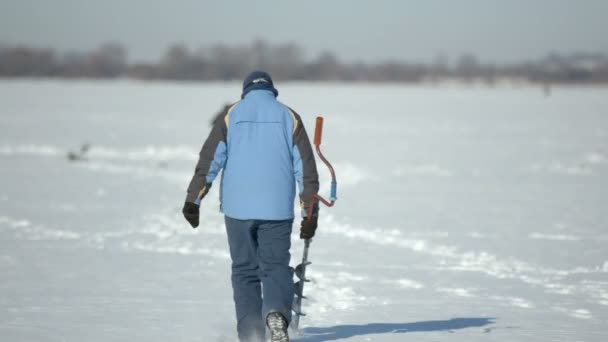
245 278
274 241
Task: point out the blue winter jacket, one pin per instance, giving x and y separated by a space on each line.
264 150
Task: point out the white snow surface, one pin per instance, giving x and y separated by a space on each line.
464 214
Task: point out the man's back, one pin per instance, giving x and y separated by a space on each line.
258 180
264 150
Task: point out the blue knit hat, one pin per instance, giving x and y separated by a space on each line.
258 80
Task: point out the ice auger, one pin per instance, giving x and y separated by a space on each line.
300 270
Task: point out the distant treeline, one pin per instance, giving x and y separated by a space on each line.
286 62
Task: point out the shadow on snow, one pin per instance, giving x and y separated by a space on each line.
337 332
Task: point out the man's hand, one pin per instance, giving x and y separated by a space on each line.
308 228
191 213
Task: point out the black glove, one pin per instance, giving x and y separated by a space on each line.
308 228
191 213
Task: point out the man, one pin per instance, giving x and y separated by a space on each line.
264 150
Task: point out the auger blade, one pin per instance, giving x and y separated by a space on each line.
298 290
300 271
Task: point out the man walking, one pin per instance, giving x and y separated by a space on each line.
264 150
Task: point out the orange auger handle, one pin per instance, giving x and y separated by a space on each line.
318 131
334 185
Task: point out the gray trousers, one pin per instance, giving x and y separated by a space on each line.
262 281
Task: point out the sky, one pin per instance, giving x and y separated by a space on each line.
368 31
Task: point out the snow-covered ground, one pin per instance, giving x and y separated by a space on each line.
464 214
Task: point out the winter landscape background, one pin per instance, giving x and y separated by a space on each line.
464 213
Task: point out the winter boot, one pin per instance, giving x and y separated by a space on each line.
278 327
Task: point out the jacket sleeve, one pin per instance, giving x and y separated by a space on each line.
305 167
212 159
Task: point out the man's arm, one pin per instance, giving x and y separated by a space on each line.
212 159
305 167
